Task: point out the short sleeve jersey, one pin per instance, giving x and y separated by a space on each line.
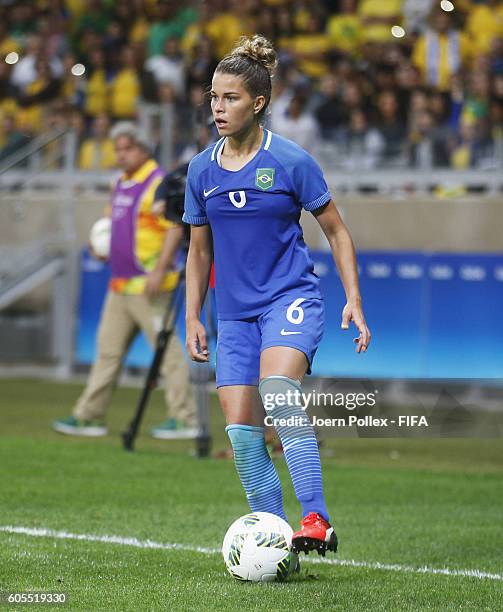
259 250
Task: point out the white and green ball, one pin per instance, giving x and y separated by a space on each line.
257 546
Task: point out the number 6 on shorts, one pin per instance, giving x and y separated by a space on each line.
295 314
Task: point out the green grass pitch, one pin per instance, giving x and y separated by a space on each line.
409 504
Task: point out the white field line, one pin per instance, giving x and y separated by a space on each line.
150 544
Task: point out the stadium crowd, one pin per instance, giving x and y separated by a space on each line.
379 82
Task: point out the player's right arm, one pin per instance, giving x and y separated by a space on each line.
198 275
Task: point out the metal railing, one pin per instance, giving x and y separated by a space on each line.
32 256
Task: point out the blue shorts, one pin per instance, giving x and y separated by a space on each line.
289 321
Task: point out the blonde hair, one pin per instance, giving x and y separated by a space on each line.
254 59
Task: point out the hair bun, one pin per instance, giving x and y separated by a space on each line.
259 49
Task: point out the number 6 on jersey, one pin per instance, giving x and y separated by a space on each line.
295 314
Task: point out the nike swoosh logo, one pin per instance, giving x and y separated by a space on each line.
288 333
207 193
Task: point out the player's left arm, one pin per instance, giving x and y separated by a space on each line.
343 251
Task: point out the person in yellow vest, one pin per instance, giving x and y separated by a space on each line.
441 51
143 280
98 151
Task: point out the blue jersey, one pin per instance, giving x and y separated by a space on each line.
259 250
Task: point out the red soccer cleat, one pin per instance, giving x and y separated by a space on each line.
315 533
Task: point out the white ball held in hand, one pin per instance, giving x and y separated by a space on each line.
100 237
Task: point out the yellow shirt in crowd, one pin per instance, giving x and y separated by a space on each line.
97 155
345 32
484 24
96 94
306 44
124 94
380 9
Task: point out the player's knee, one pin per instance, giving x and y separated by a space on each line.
280 392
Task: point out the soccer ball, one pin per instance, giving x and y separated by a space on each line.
256 548
100 236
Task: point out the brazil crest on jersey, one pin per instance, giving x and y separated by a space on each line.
254 213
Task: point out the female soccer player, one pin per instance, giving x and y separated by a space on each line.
243 200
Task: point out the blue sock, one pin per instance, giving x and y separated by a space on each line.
256 469
298 440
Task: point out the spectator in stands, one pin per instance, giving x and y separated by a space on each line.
478 95
440 106
22 18
142 282
407 80
96 87
467 150
72 86
52 28
126 13
168 67
329 112
415 15
298 123
8 104
377 17
353 99
95 17
124 88
201 63
200 28
12 138
484 24
497 87
310 47
286 30
390 125
8 44
25 71
441 51
345 29
97 152
495 56
114 39
172 20
425 149
227 25
263 20
496 116
148 83
361 145
42 90
419 104
195 113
